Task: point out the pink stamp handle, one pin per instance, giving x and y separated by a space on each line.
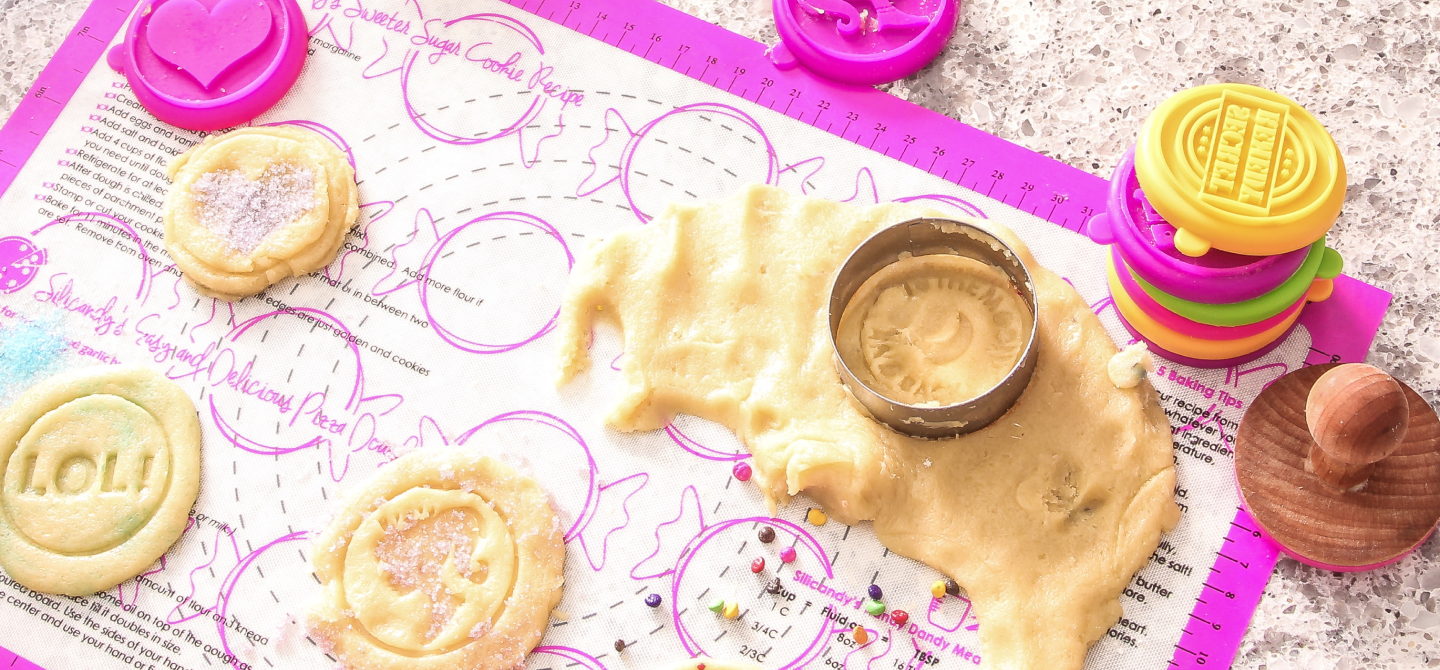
213 64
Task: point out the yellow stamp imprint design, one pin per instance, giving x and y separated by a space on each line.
445 559
1241 169
101 468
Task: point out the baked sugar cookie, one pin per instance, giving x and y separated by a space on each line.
101 468
253 206
446 559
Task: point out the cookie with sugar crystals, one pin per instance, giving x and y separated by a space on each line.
253 206
445 559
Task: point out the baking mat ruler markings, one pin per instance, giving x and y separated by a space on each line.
942 147
1231 592
82 48
890 126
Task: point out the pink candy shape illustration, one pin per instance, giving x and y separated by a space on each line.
20 261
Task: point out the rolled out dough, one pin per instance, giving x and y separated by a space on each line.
1043 516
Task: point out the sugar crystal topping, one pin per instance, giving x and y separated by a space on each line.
414 552
243 212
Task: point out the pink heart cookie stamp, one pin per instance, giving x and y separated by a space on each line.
204 42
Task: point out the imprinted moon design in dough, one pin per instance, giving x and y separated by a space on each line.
445 559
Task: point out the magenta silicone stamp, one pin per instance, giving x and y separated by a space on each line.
862 41
1146 242
211 64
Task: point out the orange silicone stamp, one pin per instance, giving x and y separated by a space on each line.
1240 169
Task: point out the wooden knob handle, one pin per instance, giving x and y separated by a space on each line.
1357 416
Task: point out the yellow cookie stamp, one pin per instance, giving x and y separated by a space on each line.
253 206
1241 169
101 467
445 559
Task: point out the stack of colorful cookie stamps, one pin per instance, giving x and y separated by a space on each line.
1216 222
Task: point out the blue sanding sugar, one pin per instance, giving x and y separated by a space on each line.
30 350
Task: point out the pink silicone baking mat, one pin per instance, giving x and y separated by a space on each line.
491 142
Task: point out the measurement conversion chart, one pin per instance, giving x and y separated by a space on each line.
492 143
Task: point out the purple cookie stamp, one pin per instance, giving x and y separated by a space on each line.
862 41
211 64
1147 244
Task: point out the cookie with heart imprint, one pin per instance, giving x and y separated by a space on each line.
257 205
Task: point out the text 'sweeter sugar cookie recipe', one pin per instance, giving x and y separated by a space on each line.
1217 220
726 314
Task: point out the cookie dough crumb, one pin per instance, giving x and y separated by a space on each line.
1127 368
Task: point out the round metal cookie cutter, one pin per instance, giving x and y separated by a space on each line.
925 237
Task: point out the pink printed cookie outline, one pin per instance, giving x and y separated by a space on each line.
687 639
437 253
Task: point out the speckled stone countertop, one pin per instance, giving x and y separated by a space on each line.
1074 81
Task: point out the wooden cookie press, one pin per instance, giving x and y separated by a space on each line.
1340 465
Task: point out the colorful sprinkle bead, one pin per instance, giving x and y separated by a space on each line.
653 600
874 607
899 617
861 635
875 592
742 471
787 555
767 534
716 605
816 517
952 587
757 566
773 587
937 590
732 610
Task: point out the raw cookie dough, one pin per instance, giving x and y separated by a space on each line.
723 308
934 329
101 468
253 206
1129 367
446 559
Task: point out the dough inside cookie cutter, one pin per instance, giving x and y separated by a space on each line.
925 237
